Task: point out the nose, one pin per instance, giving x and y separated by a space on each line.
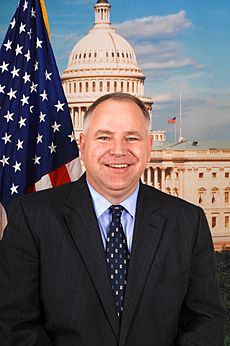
118 147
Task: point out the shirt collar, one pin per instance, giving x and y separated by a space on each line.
101 204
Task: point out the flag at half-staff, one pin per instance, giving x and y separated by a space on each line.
37 145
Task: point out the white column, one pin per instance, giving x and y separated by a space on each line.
156 177
149 176
162 179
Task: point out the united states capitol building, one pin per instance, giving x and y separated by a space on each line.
197 171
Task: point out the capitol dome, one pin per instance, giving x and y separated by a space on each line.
113 52
101 62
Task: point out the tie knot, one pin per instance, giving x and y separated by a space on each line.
116 210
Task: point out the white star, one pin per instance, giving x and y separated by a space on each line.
15 72
24 100
44 96
36 65
47 75
13 23
19 145
33 87
12 93
9 116
39 138
36 160
4 160
4 66
25 6
27 55
22 28
26 78
52 148
56 126
14 189
59 106
2 87
22 122
72 137
42 117
8 45
6 138
39 43
17 166
30 33
33 12
18 49
31 109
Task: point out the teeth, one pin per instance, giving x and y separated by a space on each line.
118 166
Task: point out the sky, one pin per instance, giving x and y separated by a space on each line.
179 44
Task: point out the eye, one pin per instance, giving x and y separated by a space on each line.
104 138
132 139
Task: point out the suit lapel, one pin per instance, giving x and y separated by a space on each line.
147 234
83 225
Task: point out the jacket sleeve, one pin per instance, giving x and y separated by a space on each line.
21 320
202 315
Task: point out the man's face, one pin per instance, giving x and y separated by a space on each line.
115 148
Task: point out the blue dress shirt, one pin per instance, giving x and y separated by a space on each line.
104 217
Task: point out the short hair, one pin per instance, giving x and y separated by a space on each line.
118 96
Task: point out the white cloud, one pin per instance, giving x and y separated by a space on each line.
174 63
154 26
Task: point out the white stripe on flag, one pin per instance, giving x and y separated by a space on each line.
43 183
74 169
3 220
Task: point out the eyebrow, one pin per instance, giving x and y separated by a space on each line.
107 132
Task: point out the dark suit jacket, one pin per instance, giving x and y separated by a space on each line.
55 288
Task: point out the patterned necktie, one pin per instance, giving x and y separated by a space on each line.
117 256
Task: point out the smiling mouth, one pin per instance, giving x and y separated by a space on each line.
118 166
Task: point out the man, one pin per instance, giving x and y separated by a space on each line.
106 260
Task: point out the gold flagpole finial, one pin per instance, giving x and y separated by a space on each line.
45 16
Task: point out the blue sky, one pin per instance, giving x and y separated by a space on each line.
180 44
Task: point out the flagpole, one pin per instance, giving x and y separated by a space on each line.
180 137
175 133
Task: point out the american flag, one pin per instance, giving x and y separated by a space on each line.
37 144
172 120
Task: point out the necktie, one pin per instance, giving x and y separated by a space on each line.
117 256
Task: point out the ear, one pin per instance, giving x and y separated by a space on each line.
150 142
82 145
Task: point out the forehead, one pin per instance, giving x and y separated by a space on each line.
117 110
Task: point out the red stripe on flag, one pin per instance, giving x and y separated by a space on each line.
31 189
59 176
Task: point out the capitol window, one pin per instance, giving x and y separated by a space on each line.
226 197
214 174
226 175
226 221
213 221
101 86
201 175
94 87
